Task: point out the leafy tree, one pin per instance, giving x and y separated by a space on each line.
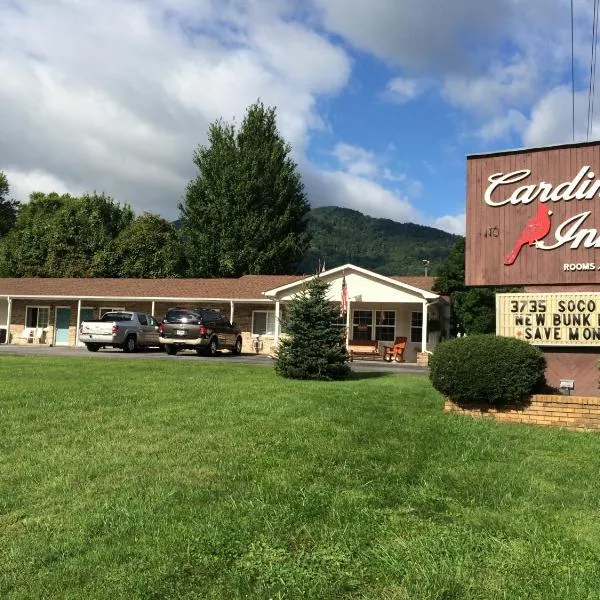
313 347
473 308
341 235
8 208
63 236
148 247
246 211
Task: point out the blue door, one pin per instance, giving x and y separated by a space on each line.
63 320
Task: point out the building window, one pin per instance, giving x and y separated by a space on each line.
105 309
263 322
362 325
416 326
385 325
37 317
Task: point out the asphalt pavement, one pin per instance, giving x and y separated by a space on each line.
155 354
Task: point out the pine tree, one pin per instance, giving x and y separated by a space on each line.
313 346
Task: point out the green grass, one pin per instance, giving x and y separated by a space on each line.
198 479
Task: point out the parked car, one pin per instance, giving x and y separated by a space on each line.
128 330
204 330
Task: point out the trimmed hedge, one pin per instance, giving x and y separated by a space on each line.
487 369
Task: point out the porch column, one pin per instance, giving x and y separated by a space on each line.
153 308
424 339
8 315
348 322
277 313
231 310
78 322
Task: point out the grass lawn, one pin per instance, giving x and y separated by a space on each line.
196 479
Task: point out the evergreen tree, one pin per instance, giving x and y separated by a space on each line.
313 346
246 211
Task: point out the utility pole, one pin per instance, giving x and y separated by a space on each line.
426 264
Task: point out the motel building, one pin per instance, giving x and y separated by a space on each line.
48 311
533 223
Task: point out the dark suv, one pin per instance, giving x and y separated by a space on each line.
202 329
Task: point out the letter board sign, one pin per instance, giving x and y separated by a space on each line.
561 319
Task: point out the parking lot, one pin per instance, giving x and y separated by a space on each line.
156 354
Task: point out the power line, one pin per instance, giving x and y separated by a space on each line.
592 85
572 71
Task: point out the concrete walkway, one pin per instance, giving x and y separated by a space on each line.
253 359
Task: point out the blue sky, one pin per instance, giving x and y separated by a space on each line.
381 99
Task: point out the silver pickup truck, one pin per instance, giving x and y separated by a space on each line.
124 329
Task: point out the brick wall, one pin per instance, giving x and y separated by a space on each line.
580 412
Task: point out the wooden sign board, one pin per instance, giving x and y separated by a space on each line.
561 319
533 216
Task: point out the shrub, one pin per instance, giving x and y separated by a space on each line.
487 369
313 347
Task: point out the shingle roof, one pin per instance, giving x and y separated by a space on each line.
248 287
423 283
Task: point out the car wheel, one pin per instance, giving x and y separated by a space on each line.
213 347
93 347
237 348
170 349
130 344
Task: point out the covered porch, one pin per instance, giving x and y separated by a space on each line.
375 308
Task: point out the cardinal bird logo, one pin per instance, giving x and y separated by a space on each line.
536 229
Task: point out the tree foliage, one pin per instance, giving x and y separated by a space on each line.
148 247
341 235
245 212
473 308
91 236
313 346
8 208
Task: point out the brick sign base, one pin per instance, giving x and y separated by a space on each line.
574 412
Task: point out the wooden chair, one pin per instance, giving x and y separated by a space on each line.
396 352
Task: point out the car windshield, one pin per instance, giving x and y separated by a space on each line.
182 315
116 316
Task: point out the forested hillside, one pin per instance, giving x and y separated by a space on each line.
341 235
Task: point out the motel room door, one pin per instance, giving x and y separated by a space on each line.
61 328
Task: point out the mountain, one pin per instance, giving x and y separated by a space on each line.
342 235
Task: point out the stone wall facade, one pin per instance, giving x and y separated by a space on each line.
573 412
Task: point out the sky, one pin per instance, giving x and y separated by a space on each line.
381 100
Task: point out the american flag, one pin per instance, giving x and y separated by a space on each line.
344 302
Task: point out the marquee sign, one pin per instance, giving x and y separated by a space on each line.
533 216
561 319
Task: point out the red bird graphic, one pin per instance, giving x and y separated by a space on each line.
536 229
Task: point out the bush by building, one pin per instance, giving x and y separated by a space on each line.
487 369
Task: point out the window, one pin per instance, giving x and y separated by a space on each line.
263 322
416 326
37 317
385 325
142 319
362 325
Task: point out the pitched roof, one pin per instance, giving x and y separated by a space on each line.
423 283
248 287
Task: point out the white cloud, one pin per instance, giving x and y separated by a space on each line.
339 188
402 89
22 184
115 96
356 160
451 223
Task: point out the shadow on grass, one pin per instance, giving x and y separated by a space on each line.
357 375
